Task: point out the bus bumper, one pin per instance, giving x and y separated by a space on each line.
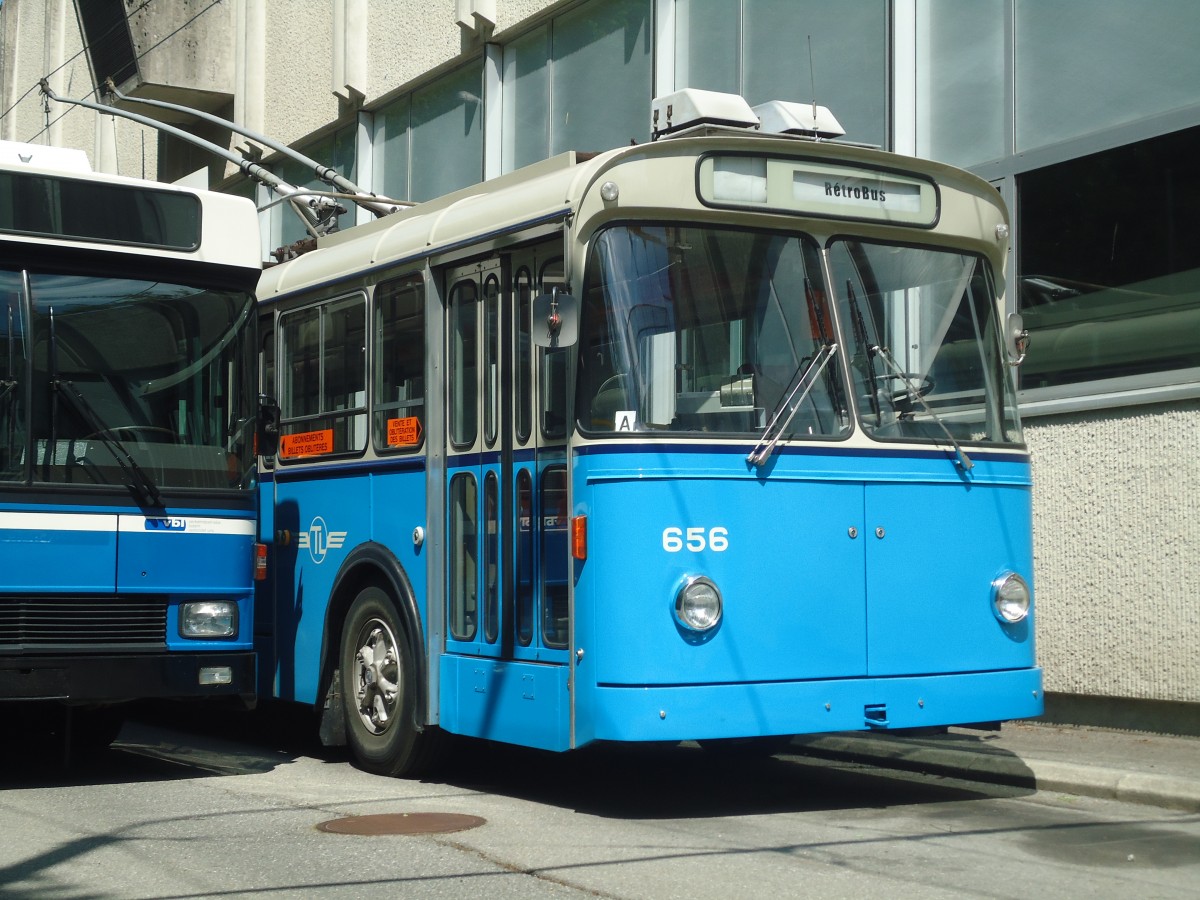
114 678
699 712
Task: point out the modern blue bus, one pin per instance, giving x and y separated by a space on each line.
713 438
127 426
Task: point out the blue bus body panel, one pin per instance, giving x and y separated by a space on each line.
510 701
53 552
846 575
327 513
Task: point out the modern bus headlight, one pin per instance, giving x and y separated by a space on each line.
1010 598
208 619
698 605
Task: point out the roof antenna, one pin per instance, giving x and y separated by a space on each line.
812 81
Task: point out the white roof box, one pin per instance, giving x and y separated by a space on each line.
14 153
782 117
691 107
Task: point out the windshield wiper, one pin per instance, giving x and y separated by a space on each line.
914 393
779 422
134 474
864 346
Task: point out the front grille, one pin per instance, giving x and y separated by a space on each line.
86 624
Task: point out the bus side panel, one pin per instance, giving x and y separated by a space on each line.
58 551
397 509
510 701
325 517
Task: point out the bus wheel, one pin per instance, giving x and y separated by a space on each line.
379 689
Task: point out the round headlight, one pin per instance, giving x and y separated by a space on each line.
698 605
1010 598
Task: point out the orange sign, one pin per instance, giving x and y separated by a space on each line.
306 443
404 432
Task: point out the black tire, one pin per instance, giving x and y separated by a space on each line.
379 683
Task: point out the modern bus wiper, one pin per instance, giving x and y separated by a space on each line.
134 473
914 392
7 386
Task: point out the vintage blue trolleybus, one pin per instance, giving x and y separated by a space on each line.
712 438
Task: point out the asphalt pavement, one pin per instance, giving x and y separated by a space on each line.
1134 767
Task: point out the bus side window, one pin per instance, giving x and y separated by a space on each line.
399 377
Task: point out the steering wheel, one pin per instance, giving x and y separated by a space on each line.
123 432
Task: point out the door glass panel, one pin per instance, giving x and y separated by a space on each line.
491 558
523 365
491 363
463 574
554 557
464 326
524 561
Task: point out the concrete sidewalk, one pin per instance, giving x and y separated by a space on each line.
1131 766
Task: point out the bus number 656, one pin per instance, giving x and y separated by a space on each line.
695 539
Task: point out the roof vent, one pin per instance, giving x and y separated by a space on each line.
783 117
691 107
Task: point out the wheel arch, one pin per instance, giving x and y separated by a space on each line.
374 564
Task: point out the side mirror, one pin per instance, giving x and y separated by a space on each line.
1016 339
555 320
266 435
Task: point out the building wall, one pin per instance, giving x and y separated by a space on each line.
1116 535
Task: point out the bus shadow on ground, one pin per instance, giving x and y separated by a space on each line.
685 781
160 742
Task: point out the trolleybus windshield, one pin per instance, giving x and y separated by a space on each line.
125 382
696 329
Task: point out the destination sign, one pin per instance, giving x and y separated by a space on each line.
817 188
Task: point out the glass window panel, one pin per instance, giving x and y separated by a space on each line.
524 561
491 558
323 372
526 99
491 360
707 42
399 388
849 59
391 149
524 360
464 392
1083 66
960 81
13 377
603 76
555 559
447 134
463 576
553 365
1110 263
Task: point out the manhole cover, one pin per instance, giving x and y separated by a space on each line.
402 823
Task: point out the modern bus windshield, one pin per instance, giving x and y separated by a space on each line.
124 382
695 329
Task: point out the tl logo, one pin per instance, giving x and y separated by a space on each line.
319 540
